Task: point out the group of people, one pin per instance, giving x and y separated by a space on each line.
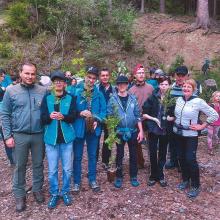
61 119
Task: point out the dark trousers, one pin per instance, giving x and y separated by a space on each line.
106 153
132 146
187 147
157 158
173 149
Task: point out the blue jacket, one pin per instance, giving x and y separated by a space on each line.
98 109
128 118
51 129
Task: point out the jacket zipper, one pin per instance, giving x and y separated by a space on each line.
30 109
182 113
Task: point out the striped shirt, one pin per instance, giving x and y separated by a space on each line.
176 91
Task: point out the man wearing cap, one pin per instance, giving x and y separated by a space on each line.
91 111
142 91
22 131
129 130
58 111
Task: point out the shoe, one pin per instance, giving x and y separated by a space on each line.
118 182
67 199
53 202
76 188
20 204
94 186
184 185
151 182
163 183
134 182
194 192
39 197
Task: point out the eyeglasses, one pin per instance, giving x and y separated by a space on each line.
58 81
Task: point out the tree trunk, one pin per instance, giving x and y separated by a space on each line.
202 15
142 6
110 6
214 8
162 6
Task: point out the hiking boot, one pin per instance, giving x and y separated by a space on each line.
39 197
194 192
67 199
76 188
151 182
118 182
134 182
53 202
184 185
163 183
94 186
20 204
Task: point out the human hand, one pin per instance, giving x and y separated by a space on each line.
10 142
197 127
140 136
59 116
157 121
86 113
170 118
95 124
53 115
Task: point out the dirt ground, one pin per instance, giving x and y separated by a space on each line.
164 37
142 202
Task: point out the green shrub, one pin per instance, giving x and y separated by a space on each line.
179 61
18 19
5 50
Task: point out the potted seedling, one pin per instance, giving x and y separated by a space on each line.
112 122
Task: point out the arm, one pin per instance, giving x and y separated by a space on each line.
210 112
6 115
45 115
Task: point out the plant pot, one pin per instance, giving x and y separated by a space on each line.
89 124
111 175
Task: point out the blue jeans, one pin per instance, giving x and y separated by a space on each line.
64 152
92 143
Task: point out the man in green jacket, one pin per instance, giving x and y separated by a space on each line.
22 131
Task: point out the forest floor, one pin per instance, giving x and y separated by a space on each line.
143 202
164 37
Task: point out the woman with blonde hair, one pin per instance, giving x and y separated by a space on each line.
186 129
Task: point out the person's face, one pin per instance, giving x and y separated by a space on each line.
68 74
216 97
180 78
73 83
164 86
122 87
187 90
59 84
104 77
90 79
28 74
1 77
153 76
140 75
